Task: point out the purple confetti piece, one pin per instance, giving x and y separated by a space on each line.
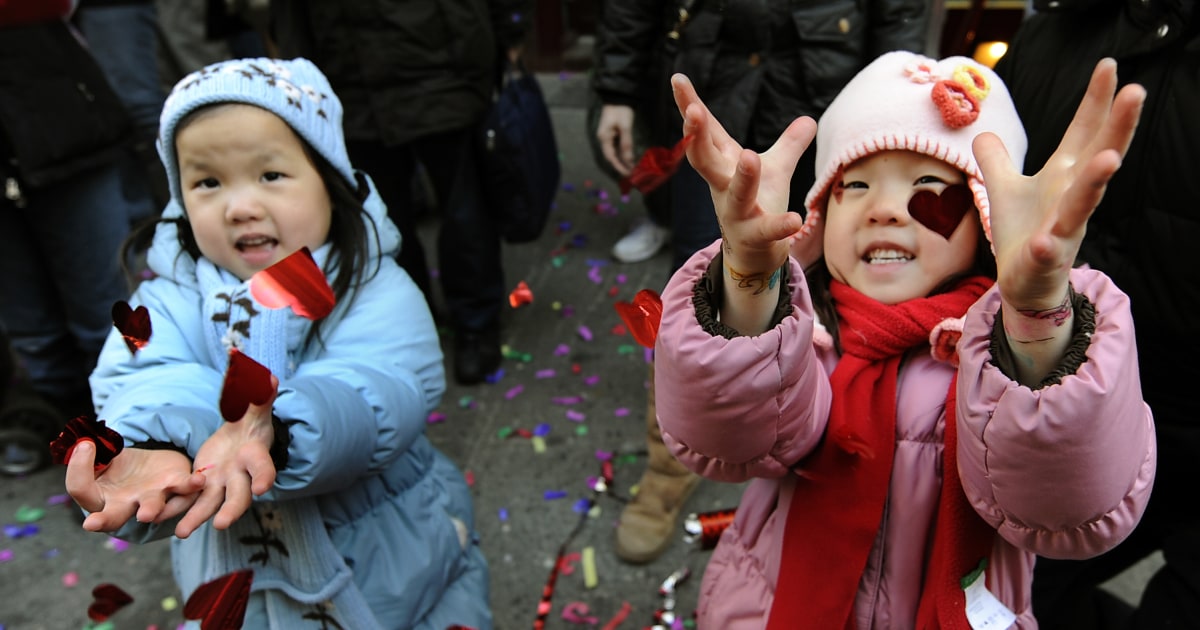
542 429
625 198
585 333
562 350
514 392
548 373
603 194
581 506
592 380
117 544
621 412
579 241
58 499
603 455
13 531
594 275
567 400
568 186
551 495
621 278
648 355
576 416
503 514
564 226
495 377
435 418
6 555
568 311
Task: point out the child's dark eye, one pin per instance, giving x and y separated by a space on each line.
208 182
930 179
271 176
855 184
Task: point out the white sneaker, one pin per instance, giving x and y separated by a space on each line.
641 243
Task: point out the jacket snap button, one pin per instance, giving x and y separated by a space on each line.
844 26
1162 31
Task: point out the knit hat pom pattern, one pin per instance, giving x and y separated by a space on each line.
905 101
295 90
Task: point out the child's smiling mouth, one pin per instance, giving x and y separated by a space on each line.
886 256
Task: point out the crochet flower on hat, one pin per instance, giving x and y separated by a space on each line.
956 97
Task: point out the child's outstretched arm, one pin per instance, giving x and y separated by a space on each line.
750 193
236 464
153 485
1038 222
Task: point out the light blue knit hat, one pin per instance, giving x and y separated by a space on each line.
295 90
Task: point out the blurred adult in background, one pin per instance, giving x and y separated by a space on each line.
416 78
757 65
1148 252
65 207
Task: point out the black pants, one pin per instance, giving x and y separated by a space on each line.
468 248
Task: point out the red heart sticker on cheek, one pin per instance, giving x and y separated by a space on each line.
941 213
295 281
221 603
106 600
642 317
133 324
246 381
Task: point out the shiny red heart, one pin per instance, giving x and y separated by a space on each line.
106 600
246 381
295 281
521 295
133 324
941 213
108 442
643 316
655 167
221 603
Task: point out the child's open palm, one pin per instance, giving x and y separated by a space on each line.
237 466
750 191
1038 222
153 485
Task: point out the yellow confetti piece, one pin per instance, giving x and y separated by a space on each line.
590 580
170 603
539 444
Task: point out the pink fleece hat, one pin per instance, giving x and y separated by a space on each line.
906 101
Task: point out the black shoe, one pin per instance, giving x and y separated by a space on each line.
476 355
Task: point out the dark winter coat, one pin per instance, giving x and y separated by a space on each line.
757 64
1145 231
403 68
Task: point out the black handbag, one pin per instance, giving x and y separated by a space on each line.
520 170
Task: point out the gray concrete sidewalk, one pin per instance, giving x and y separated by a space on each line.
591 396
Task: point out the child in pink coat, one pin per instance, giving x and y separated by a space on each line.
922 389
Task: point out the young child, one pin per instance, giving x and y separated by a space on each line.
882 475
356 518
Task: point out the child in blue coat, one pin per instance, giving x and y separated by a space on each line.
330 492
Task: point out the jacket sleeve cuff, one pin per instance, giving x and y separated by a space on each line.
1076 354
706 299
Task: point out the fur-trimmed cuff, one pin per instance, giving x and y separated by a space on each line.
706 298
1076 354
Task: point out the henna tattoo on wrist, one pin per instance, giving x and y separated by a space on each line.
759 281
1057 314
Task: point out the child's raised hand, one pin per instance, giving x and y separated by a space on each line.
236 464
1038 222
750 191
153 485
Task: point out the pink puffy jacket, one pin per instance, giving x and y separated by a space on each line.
1064 471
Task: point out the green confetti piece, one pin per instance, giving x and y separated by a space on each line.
626 458
581 429
558 261
504 432
465 402
26 514
626 348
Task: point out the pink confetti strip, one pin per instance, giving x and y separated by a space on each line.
562 350
576 416
591 381
548 373
435 418
514 392
567 400
621 412
585 333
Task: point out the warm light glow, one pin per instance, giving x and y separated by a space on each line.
988 53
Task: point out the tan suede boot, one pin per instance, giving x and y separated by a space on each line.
649 523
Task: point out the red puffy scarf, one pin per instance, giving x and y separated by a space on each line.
837 508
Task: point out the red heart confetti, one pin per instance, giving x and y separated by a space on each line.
521 295
295 281
108 442
106 600
133 324
221 603
941 213
246 381
655 167
643 316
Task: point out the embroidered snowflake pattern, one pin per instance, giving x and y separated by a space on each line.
271 74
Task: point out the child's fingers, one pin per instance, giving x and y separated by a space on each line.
176 505
1081 198
743 187
237 501
208 502
262 475
794 141
81 477
1093 110
993 159
1122 119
